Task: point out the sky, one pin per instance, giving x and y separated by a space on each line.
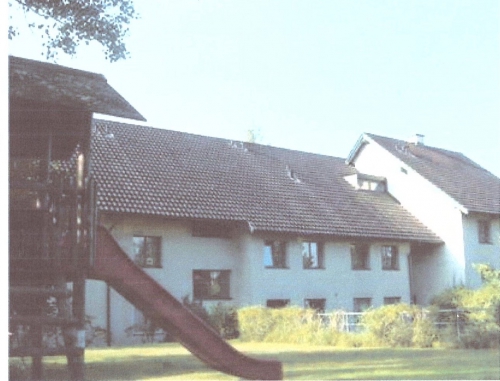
311 75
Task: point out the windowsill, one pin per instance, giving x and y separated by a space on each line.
314 268
360 269
150 267
276 268
390 269
486 243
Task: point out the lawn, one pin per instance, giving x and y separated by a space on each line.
172 362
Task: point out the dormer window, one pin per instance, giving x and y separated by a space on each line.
367 182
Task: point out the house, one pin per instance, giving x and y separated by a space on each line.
450 194
221 221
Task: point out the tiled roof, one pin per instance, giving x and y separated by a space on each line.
159 172
466 182
31 80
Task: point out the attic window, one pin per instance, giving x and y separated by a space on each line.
292 174
367 182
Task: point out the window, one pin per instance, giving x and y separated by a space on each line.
362 304
275 254
211 229
277 303
211 284
147 251
390 258
360 257
312 255
484 231
316 304
392 300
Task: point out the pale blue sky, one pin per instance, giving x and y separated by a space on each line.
313 75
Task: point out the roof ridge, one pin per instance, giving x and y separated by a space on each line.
248 144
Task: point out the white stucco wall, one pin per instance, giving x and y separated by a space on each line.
441 267
477 252
251 282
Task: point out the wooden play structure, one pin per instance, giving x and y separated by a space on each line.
55 243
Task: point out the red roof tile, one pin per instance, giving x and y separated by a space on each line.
466 182
159 172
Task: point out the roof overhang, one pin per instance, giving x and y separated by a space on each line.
35 81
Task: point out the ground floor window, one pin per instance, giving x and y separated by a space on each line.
277 303
361 304
211 284
316 304
392 300
147 251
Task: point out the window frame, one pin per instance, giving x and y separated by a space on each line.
140 258
307 255
394 260
366 258
269 249
484 232
203 279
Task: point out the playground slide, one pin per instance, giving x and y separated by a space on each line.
120 272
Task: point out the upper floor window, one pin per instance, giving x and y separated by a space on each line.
211 229
211 284
360 257
484 231
147 251
312 255
390 258
275 254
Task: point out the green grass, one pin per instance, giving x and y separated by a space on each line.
172 362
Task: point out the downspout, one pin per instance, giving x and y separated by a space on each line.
108 316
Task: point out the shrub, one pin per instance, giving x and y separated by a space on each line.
477 325
255 323
225 320
399 325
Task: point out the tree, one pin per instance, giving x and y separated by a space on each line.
65 24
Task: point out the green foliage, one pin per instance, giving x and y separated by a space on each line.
477 324
66 24
225 320
255 323
400 325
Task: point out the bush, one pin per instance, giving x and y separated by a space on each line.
476 325
399 325
225 320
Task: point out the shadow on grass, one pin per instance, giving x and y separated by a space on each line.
169 361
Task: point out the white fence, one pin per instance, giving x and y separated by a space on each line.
351 321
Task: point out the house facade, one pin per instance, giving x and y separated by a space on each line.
217 221
453 196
